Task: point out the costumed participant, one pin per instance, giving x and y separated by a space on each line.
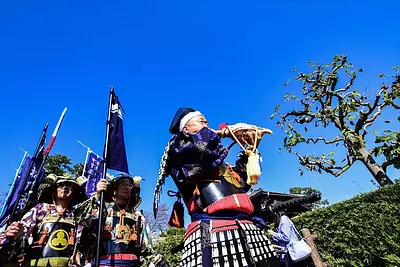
286 234
223 231
124 237
48 234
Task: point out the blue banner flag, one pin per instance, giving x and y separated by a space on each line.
35 178
93 171
116 156
32 185
12 195
27 193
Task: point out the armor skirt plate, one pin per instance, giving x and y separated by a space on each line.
227 243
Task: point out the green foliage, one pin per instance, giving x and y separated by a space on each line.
310 191
170 239
389 146
60 164
362 231
324 104
78 169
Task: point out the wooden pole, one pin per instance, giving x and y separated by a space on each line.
311 239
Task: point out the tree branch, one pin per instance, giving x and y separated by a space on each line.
161 223
369 121
328 168
343 61
299 113
315 140
363 122
389 163
376 102
348 85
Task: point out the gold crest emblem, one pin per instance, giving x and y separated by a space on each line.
59 240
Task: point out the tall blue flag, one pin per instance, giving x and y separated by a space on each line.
35 178
12 195
93 171
116 156
32 184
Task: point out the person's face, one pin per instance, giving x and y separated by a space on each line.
195 124
65 191
124 189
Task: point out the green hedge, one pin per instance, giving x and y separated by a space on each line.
362 231
170 239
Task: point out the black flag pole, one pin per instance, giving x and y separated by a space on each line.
30 196
105 153
21 191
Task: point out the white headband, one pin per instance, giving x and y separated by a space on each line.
187 118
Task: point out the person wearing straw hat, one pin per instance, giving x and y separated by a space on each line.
223 231
48 233
124 236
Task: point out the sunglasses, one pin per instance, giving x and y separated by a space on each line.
129 185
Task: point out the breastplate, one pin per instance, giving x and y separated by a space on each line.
55 238
122 236
210 191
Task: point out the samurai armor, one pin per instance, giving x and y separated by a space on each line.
227 243
50 246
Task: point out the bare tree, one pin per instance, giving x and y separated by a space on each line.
325 103
161 223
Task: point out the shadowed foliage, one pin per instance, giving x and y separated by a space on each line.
362 231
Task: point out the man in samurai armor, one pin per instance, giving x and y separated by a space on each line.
223 231
48 234
124 235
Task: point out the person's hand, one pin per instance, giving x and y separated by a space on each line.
277 247
14 230
101 186
271 233
75 260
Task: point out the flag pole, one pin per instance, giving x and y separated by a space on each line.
45 156
42 136
20 164
86 158
54 135
82 144
23 150
105 152
85 146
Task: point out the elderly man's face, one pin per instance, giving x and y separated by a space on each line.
65 191
124 189
195 124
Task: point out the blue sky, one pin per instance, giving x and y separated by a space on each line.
228 59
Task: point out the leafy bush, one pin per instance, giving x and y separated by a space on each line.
362 231
168 240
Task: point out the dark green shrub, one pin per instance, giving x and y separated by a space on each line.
362 231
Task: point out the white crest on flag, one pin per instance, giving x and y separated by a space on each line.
115 109
21 203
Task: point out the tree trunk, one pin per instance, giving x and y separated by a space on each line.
374 168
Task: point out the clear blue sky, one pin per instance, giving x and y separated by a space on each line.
228 59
